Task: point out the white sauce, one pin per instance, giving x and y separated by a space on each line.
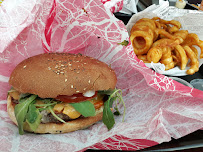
89 93
180 4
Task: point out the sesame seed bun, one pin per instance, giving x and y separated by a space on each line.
54 128
51 74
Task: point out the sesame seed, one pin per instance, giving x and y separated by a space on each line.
24 66
84 89
56 66
89 81
71 86
49 68
62 72
84 63
77 61
62 65
78 72
66 80
77 91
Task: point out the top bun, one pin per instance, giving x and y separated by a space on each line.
51 74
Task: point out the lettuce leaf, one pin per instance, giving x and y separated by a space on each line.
21 110
85 108
108 116
33 117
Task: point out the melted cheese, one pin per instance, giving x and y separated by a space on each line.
15 95
70 111
58 108
66 109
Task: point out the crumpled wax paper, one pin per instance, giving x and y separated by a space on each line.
113 5
158 108
17 15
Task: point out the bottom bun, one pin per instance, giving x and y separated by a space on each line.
54 128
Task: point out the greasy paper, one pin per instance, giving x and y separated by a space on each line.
158 108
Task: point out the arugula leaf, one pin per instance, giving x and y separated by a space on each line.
23 95
46 105
33 117
47 100
106 92
108 117
21 110
86 108
32 114
125 43
117 113
119 95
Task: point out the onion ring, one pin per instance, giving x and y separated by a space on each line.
172 29
200 44
167 58
194 61
191 39
142 39
143 58
154 54
183 56
182 33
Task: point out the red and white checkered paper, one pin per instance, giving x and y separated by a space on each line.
158 108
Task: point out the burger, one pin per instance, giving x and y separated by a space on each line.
62 92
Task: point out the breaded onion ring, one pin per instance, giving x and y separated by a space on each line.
183 56
142 39
166 58
200 44
143 58
154 54
194 60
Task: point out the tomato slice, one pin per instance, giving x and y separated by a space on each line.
74 98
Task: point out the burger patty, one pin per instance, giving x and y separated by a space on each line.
48 117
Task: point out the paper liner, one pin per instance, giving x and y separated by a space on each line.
158 108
